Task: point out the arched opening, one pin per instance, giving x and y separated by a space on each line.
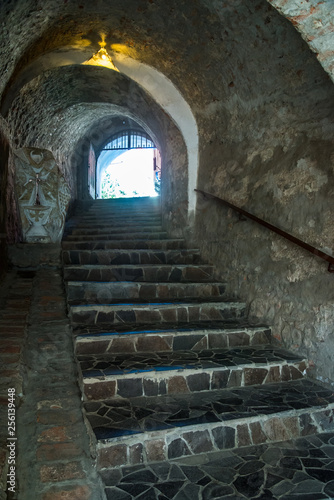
129 165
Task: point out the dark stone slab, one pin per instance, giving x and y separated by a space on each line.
178 448
224 437
198 382
199 441
129 388
220 379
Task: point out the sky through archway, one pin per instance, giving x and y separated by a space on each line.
129 175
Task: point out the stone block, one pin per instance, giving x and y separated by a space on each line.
243 435
238 339
177 384
136 454
155 450
224 437
153 343
220 379
100 390
198 382
112 456
178 448
257 433
56 434
275 430
199 441
274 374
254 376
61 472
73 493
130 388
58 451
235 379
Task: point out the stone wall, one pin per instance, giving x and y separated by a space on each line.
10 231
269 149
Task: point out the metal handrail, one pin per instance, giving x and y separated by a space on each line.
284 234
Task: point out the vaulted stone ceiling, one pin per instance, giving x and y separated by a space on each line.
203 46
220 55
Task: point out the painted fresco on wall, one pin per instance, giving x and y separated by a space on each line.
43 195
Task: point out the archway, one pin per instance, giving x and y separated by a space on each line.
128 165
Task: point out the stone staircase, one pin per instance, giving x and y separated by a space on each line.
171 370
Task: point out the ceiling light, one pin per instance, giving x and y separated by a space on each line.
101 58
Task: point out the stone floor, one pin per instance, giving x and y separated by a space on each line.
52 456
299 469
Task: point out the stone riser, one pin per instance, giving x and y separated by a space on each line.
105 223
81 292
168 445
127 211
156 313
170 341
115 230
188 381
125 244
126 216
150 273
118 257
119 216
120 235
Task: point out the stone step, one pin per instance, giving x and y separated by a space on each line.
100 222
119 235
140 244
94 232
157 313
171 340
80 292
151 429
149 273
137 201
126 256
163 373
291 469
121 214
110 208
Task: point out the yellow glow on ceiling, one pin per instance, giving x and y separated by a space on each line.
125 50
101 58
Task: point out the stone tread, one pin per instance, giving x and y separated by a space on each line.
294 469
113 418
171 340
209 359
132 272
140 244
81 292
152 313
84 329
93 231
126 256
126 236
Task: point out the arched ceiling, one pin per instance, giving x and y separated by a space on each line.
176 37
219 55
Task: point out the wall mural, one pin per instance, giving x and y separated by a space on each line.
43 195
